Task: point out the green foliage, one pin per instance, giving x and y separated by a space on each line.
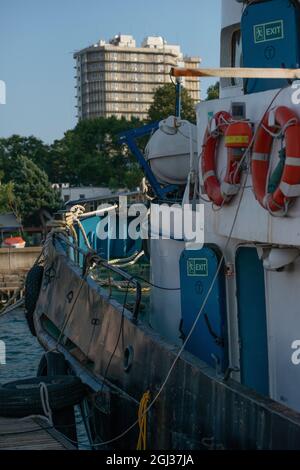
7 198
31 147
164 102
90 154
31 189
213 92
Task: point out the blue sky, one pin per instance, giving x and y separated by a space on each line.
38 38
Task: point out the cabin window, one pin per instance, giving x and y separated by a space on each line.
236 57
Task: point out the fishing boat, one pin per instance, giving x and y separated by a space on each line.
193 343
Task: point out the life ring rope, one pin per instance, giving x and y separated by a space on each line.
288 188
237 134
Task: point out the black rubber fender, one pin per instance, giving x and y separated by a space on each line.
52 363
22 398
32 291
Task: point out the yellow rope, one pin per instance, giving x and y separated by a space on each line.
142 416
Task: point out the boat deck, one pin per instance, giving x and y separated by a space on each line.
120 291
30 434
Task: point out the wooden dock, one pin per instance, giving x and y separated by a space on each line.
11 286
30 434
14 265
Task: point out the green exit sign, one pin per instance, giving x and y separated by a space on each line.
268 31
197 267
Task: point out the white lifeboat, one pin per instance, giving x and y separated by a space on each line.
171 149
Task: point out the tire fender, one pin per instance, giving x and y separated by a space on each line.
32 291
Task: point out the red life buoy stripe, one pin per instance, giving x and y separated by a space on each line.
289 186
237 137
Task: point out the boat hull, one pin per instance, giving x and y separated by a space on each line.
195 409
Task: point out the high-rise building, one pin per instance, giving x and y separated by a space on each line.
119 79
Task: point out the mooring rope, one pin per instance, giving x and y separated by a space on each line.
44 394
142 416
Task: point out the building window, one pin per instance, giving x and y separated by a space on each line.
81 196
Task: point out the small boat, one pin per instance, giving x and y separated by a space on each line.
13 242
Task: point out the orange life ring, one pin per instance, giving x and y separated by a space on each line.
237 135
289 186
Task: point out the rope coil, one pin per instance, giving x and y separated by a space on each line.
142 418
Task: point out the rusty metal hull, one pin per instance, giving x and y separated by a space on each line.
195 410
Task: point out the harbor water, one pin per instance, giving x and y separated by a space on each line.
23 354
23 351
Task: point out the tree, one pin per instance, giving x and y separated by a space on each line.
31 147
7 198
213 92
32 190
91 154
164 104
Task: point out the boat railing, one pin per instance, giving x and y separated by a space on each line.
89 259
